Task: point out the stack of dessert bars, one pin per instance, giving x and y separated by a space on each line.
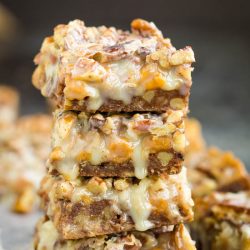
115 175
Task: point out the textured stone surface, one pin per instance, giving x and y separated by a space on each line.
16 230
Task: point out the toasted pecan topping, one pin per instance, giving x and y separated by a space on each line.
91 66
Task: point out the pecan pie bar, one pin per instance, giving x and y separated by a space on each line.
9 101
223 221
23 153
88 207
223 166
173 238
110 70
218 170
120 145
211 169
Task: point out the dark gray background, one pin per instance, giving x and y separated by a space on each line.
218 31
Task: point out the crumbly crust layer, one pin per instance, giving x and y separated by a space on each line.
157 101
127 169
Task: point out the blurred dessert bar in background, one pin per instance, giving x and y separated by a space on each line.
220 188
223 221
24 148
9 105
210 168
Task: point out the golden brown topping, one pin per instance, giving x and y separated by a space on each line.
88 70
145 28
161 56
63 190
175 117
57 154
151 78
83 156
165 129
121 184
94 65
96 186
75 90
182 56
38 77
120 151
86 199
159 143
179 142
184 71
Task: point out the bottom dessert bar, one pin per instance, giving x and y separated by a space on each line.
95 206
9 100
172 238
223 221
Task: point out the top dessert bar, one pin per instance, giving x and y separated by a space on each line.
105 69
